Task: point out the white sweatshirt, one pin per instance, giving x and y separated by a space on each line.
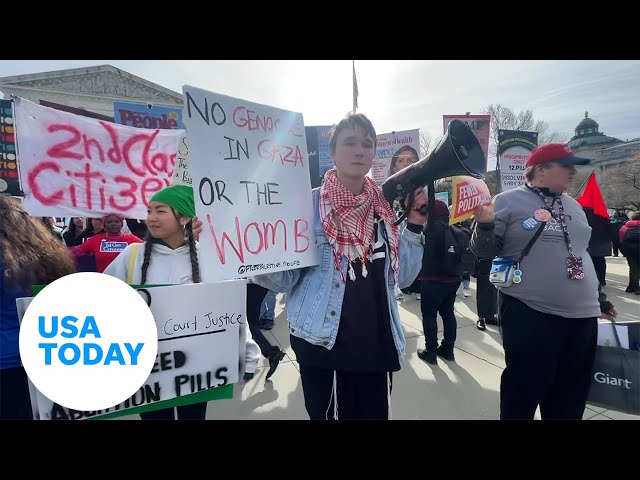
169 266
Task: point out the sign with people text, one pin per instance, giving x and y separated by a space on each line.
147 115
77 166
468 194
249 166
200 337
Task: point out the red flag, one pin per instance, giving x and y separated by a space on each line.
592 197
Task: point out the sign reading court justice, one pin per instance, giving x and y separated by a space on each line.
251 184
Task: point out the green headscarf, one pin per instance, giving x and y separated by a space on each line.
179 197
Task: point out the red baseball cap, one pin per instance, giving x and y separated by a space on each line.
555 152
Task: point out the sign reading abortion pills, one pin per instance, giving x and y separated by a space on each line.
88 341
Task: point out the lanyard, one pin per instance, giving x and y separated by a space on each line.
559 216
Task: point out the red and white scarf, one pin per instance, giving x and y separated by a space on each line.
347 220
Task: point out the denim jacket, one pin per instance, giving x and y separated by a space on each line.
314 294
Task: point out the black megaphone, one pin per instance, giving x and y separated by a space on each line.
457 153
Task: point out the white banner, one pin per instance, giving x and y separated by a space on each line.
77 166
200 337
182 175
250 173
513 163
388 145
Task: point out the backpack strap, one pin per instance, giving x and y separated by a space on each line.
132 261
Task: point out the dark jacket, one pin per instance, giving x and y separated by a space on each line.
601 230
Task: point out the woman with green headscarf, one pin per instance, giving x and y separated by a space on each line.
170 256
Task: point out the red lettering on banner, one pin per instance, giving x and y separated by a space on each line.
299 234
266 237
270 151
136 152
54 199
244 118
59 150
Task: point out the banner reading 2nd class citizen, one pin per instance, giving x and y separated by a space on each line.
77 166
251 185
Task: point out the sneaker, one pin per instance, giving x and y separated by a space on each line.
428 357
467 292
480 324
266 323
416 296
445 353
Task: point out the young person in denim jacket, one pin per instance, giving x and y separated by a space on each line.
343 318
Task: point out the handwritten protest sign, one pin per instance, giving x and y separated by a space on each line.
468 194
201 332
387 146
72 165
514 149
182 175
251 184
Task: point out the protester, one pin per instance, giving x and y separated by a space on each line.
108 245
71 235
550 299
170 256
441 275
273 353
629 238
29 255
344 322
616 224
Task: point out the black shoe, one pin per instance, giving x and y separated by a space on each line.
480 325
266 323
491 321
446 353
274 360
428 357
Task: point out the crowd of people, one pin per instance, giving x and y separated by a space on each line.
545 292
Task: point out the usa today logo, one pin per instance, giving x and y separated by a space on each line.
88 341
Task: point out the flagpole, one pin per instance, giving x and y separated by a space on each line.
584 183
355 87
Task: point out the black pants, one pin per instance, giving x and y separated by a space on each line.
486 297
360 396
549 361
255 295
195 411
600 264
15 401
438 297
634 272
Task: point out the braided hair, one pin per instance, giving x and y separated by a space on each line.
193 253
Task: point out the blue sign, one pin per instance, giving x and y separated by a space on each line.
146 115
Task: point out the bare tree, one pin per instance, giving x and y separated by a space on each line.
621 186
425 144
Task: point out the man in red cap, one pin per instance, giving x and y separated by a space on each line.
550 296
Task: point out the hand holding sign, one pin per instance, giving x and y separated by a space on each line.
468 194
484 214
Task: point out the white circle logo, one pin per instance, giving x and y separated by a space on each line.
88 341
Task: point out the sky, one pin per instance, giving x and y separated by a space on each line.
405 94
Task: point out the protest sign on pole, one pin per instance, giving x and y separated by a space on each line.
200 340
249 166
480 125
318 149
387 146
147 115
77 166
468 194
514 149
